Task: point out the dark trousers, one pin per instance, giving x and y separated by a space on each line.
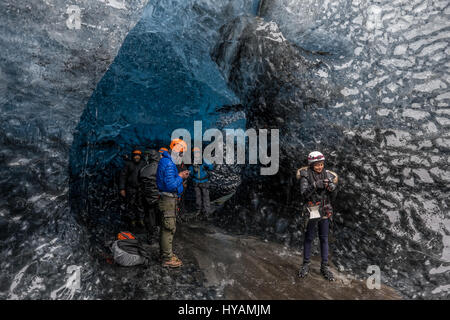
182 204
310 234
202 197
134 205
152 217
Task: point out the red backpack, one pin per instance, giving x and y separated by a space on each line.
124 235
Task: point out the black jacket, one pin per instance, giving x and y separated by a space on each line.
147 178
129 175
310 185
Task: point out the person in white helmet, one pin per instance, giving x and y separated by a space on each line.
316 187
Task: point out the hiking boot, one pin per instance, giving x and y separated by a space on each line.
327 274
304 270
174 262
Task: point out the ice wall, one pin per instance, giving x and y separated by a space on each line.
374 99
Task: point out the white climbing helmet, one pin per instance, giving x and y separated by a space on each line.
315 156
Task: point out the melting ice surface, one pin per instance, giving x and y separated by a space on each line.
390 61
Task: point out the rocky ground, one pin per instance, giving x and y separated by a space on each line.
246 267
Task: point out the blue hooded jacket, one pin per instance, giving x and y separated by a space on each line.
201 174
167 178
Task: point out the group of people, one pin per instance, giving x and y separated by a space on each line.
154 188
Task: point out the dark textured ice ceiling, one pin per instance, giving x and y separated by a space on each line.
162 78
366 81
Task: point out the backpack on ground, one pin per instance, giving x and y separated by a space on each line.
129 251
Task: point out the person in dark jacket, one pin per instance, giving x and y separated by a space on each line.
316 188
150 193
200 176
170 186
130 190
182 202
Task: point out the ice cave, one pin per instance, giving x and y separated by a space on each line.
365 82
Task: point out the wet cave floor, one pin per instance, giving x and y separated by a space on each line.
225 266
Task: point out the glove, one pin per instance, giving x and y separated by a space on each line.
329 185
328 210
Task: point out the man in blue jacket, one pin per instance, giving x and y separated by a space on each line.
170 186
200 177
